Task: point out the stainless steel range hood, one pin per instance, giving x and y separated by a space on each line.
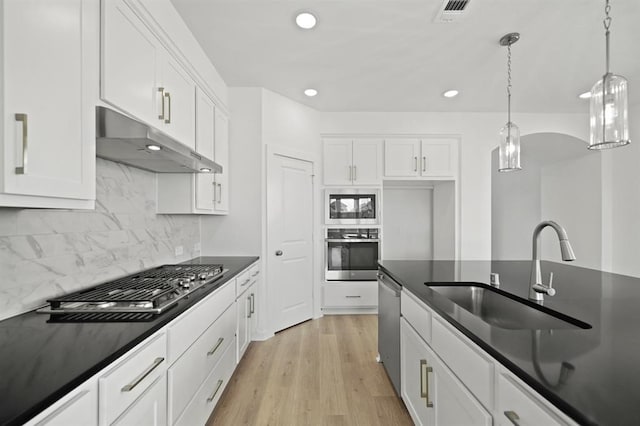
125 140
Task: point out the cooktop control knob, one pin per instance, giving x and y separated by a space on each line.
203 276
184 282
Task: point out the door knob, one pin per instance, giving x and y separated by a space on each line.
279 253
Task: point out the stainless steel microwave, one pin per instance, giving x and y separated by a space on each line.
352 207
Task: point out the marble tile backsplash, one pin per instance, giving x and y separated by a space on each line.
45 253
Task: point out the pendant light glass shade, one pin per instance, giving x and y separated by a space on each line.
509 158
608 118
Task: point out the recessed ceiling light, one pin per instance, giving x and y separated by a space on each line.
585 95
153 148
205 169
450 93
310 92
306 20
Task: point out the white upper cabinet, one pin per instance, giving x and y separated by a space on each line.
221 196
205 139
140 77
49 61
352 162
179 102
433 158
130 63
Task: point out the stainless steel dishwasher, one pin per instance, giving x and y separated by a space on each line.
389 327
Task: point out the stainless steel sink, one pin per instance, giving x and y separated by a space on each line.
504 310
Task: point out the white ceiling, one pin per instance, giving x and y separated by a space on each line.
390 55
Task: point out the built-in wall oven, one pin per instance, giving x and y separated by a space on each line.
352 206
351 254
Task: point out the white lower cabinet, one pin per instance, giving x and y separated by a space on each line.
79 408
350 294
150 409
449 380
432 394
247 289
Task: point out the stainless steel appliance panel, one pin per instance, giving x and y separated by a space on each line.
351 254
389 328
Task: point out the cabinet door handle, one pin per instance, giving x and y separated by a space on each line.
424 381
215 199
350 173
215 348
129 387
249 300
355 173
167 120
424 163
215 392
513 417
415 164
161 90
22 170
253 303
219 197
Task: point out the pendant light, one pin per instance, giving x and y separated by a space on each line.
510 133
608 117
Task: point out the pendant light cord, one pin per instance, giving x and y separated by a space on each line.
607 23
509 91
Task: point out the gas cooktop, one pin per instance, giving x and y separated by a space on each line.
137 297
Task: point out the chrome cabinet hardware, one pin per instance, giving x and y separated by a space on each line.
249 313
513 417
161 90
353 297
279 253
424 381
167 119
255 274
350 173
215 392
219 197
424 163
247 281
129 387
216 346
355 173
415 164
253 303
214 192
22 170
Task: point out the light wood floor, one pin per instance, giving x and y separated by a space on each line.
321 372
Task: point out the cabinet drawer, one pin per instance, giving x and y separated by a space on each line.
187 374
255 271
467 363
79 407
513 400
351 294
416 314
242 281
124 383
203 403
189 326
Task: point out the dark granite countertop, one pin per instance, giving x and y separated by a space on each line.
602 383
40 362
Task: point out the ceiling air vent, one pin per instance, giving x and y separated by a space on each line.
451 10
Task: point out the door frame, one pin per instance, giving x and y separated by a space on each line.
270 151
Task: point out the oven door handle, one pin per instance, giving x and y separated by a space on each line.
351 240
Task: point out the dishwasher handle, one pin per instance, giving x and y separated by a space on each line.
389 284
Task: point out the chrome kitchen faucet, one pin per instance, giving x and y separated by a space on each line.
537 290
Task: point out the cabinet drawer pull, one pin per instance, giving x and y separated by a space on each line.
215 392
247 281
353 297
168 118
255 274
424 163
424 381
513 417
141 377
22 170
215 348
415 164
161 90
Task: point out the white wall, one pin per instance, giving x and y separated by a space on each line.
479 136
408 223
571 195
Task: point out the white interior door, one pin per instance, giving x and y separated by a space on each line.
290 245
